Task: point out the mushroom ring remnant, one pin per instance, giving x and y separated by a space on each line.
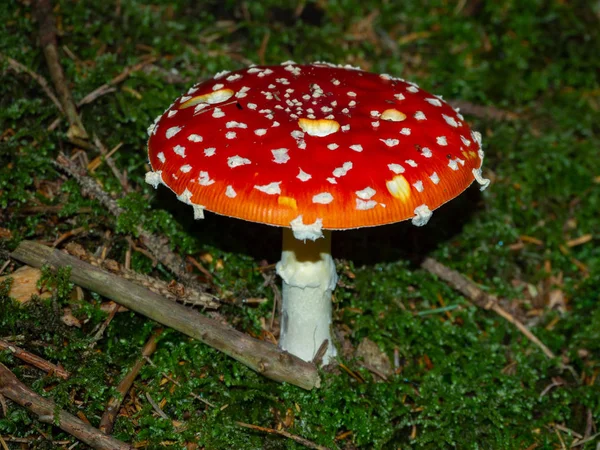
312 148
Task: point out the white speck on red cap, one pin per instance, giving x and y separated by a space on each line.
396 168
271 188
323 198
390 142
441 140
450 121
179 150
363 205
341 171
303 176
236 161
422 215
172 132
433 101
280 155
230 192
204 179
366 193
234 124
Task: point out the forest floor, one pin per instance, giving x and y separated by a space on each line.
421 366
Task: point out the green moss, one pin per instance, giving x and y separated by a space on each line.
467 378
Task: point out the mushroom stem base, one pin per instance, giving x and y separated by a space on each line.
309 277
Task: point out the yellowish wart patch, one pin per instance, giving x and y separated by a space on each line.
211 98
399 187
393 115
319 127
287 201
470 154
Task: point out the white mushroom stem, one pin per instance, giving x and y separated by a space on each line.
309 277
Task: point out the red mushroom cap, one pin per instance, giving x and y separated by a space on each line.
313 144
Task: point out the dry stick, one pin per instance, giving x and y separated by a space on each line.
298 439
173 291
42 10
114 404
47 412
111 164
107 88
158 245
480 298
34 360
260 356
18 67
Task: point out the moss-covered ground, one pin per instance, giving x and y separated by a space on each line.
463 377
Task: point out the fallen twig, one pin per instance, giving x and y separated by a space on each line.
18 67
34 360
114 404
298 439
48 412
480 298
187 295
44 15
260 356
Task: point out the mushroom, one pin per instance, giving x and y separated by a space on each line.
312 148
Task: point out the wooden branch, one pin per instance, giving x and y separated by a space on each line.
18 67
293 437
174 291
34 360
260 356
42 10
47 412
114 404
480 298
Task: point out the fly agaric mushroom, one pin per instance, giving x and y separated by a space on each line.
312 148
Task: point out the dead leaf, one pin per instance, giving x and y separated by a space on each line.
373 357
24 284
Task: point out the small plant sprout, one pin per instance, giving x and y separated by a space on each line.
312 148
